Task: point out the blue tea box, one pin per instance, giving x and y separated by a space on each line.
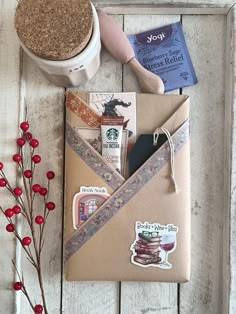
163 51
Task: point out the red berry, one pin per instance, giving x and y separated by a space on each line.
17 158
9 212
38 309
26 241
3 183
36 188
39 220
17 286
16 209
50 205
50 175
1 165
36 159
43 191
24 126
20 142
10 227
17 191
34 143
28 136
28 173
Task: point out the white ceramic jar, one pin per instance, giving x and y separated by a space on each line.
76 70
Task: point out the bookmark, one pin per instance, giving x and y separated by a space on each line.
142 150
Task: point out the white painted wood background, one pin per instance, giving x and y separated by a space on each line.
211 42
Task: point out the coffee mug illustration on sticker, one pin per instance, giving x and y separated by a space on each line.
153 244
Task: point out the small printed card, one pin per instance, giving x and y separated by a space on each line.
93 137
164 52
117 104
86 202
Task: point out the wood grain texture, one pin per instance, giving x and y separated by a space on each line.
164 7
91 297
101 297
45 113
149 298
135 9
212 288
230 168
139 297
9 114
185 3
229 103
203 294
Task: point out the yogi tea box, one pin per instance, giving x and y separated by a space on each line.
163 51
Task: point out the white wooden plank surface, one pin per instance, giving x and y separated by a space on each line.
163 7
203 294
230 168
101 297
9 102
229 104
45 107
138 297
185 3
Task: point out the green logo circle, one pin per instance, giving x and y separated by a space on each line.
112 134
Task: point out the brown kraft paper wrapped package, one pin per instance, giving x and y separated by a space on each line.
142 232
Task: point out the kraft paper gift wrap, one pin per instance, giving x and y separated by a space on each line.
126 239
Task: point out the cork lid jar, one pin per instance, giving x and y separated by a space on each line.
54 29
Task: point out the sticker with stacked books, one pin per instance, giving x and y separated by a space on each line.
153 244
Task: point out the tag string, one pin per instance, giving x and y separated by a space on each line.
156 134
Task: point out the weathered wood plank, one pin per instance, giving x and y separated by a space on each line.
99 297
229 257
203 294
149 297
185 3
45 110
143 297
91 297
162 7
136 9
229 104
9 115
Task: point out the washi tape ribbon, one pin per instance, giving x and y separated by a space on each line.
81 109
93 159
122 196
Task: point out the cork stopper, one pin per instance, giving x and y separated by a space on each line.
54 29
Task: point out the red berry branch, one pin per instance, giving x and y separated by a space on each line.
24 197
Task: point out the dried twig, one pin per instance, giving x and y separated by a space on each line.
32 245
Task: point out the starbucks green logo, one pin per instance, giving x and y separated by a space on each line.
112 134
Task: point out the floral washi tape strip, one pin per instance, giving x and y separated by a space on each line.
81 109
122 196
